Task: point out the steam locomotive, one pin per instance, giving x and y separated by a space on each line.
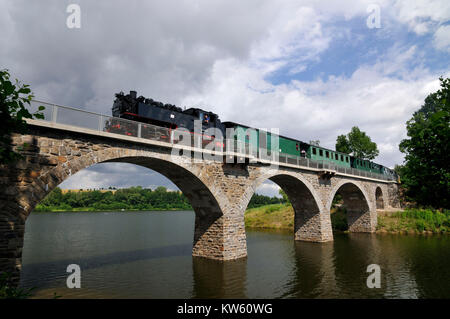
169 117
145 110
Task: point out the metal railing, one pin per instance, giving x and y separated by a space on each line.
89 120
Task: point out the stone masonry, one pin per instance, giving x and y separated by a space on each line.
218 192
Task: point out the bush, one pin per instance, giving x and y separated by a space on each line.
420 225
427 219
339 219
272 209
8 289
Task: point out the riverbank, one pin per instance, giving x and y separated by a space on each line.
276 216
415 221
410 221
281 217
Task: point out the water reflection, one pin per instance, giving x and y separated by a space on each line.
148 255
353 253
219 279
314 271
37 274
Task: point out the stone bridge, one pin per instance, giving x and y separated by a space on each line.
218 192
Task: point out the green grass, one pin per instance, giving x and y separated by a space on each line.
416 221
281 216
8 289
276 216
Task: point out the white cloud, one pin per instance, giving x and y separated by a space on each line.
425 17
120 175
219 54
422 15
268 188
442 38
378 98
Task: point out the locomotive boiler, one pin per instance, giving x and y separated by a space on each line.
145 110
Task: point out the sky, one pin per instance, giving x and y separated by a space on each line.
313 69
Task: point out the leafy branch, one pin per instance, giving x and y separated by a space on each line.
14 97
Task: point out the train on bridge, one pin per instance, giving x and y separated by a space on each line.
131 107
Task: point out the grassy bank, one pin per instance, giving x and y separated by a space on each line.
276 216
281 216
415 221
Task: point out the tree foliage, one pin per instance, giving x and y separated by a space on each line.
126 198
130 198
343 145
261 200
358 144
283 195
9 290
425 172
13 98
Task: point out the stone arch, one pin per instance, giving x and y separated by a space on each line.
361 215
186 178
379 200
46 172
311 222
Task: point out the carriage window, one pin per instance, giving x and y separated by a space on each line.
342 158
314 151
320 152
346 159
336 157
327 154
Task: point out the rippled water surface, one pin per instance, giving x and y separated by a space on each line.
148 255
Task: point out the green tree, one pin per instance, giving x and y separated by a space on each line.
161 189
425 173
358 144
13 98
283 195
343 145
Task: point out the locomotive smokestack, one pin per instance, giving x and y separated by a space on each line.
133 94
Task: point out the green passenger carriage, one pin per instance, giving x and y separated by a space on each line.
291 148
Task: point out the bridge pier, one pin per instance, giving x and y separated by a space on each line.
12 230
361 222
220 238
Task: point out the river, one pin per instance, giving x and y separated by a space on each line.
148 255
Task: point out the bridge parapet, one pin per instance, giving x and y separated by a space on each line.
78 120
